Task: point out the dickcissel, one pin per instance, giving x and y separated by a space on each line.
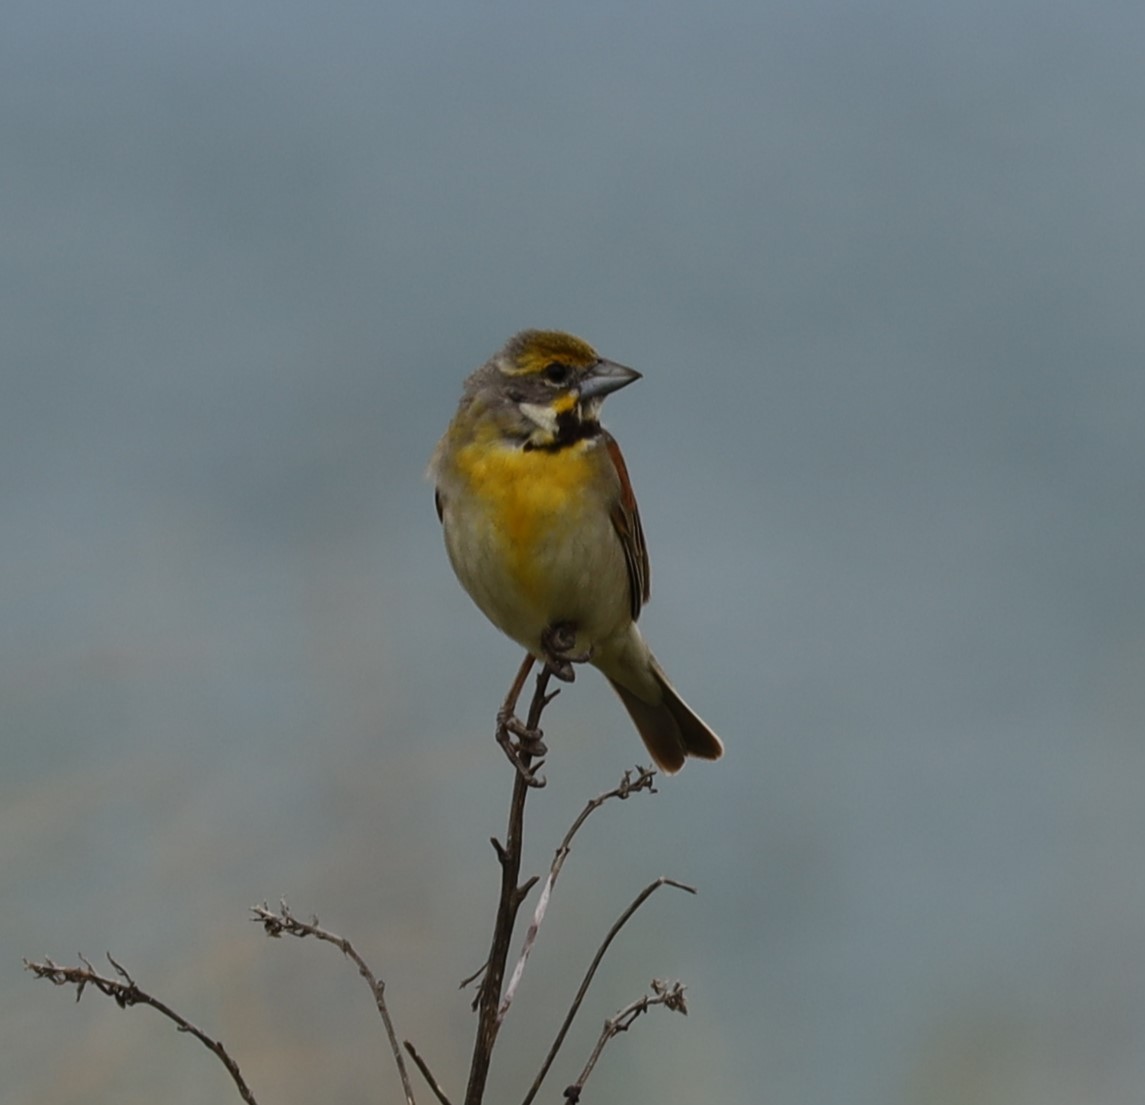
542 529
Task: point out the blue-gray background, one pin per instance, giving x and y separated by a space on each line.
882 266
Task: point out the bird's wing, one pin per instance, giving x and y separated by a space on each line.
626 521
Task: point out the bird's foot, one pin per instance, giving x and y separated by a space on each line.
557 643
522 745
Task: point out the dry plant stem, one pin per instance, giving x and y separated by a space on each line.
512 894
276 924
620 922
628 785
126 993
670 996
427 1074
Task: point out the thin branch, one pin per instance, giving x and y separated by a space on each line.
629 784
469 979
620 922
427 1074
670 995
276 924
509 855
126 993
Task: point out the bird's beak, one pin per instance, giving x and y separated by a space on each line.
604 378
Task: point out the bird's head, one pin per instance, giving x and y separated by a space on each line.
555 383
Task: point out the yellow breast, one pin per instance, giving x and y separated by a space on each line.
532 499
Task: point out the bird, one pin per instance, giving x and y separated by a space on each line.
542 529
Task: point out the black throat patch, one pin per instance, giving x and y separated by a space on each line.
570 430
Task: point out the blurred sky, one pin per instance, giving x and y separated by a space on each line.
882 267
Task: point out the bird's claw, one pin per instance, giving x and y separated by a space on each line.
521 745
557 643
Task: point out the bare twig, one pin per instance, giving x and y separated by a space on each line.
632 782
276 924
126 993
586 982
523 744
427 1074
470 979
512 893
670 995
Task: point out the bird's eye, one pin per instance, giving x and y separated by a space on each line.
557 373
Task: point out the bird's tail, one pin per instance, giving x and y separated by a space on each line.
670 728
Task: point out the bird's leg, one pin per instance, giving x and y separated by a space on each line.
520 743
557 642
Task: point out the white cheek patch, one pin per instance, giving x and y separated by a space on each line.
545 418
